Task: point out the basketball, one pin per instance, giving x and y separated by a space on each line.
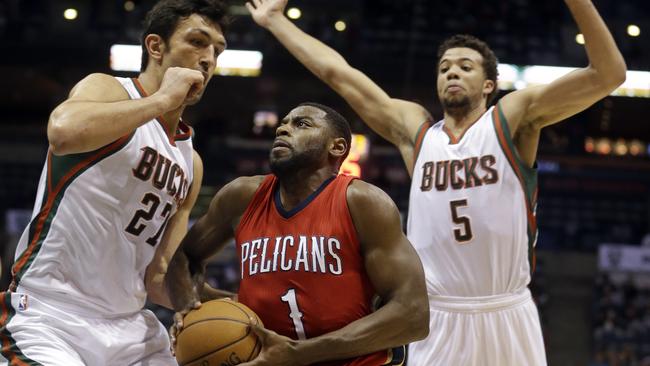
218 334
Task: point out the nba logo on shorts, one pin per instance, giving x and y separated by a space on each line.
22 303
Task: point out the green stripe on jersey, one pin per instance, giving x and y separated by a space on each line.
64 170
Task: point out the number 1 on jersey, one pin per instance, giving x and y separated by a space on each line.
295 314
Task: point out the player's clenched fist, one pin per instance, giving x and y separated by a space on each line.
180 84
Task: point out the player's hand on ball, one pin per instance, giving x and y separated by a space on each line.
178 324
277 350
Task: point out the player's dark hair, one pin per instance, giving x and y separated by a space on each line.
490 60
337 122
163 18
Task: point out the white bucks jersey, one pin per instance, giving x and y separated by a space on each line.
472 210
99 216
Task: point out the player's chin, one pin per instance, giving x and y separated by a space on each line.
192 100
279 156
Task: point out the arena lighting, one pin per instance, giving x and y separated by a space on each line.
294 13
340 26
637 83
636 147
70 13
590 145
125 57
620 147
580 39
358 153
129 5
633 30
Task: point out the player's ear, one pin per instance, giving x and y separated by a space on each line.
488 86
155 45
338 147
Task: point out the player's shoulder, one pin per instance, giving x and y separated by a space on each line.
101 79
99 86
233 198
363 195
243 188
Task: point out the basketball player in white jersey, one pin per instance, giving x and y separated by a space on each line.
473 192
113 204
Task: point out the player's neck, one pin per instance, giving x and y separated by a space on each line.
150 82
295 188
457 120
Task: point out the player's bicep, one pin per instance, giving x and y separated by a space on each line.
394 269
387 116
391 262
544 105
98 87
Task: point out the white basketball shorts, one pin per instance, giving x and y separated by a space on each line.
501 330
33 332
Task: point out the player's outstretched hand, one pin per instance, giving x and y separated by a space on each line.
277 350
264 10
178 324
179 84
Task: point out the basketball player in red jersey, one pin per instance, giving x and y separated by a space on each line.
314 248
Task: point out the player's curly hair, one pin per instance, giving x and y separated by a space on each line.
490 60
163 18
339 124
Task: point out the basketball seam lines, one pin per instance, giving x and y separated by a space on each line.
222 347
248 332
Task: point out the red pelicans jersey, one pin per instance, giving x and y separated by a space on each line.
302 271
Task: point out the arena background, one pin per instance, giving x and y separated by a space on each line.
591 283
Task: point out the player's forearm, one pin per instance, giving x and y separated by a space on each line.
392 325
319 58
156 292
210 293
81 126
604 56
181 283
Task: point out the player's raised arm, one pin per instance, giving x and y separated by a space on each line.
536 107
395 120
184 278
98 110
396 274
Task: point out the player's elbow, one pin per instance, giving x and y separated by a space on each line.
417 318
618 75
59 135
421 316
614 76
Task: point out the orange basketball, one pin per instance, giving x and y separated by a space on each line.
217 334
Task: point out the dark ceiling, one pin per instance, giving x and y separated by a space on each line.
393 41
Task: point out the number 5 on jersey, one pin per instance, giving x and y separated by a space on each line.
463 233
294 313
